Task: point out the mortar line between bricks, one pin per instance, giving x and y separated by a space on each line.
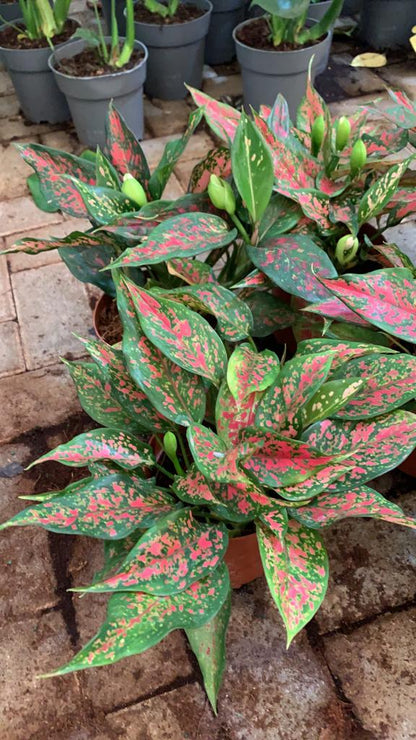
178 683
348 629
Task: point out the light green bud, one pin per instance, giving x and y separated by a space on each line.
221 194
343 133
134 190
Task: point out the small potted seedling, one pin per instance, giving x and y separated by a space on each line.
95 69
276 50
174 34
25 46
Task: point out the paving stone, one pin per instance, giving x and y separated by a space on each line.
164 117
17 127
51 304
183 171
33 708
372 568
349 106
401 77
6 299
14 172
197 147
65 140
354 80
21 214
173 189
40 398
268 693
6 85
11 355
137 676
219 86
9 106
404 235
376 667
28 584
22 261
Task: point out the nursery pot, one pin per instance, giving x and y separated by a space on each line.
243 560
267 73
176 53
317 11
89 97
39 96
387 24
10 11
351 7
226 14
121 21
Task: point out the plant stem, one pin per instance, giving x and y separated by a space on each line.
183 450
128 45
252 343
164 471
114 33
239 226
103 45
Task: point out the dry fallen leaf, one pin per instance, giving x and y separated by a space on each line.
370 59
413 40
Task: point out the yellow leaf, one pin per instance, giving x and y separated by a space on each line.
413 41
414 29
370 59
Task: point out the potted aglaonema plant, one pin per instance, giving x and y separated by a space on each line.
250 450
174 34
226 15
9 11
95 69
25 46
276 50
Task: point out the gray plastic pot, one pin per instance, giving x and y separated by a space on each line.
267 73
226 15
352 7
121 21
89 97
176 53
317 11
387 24
10 11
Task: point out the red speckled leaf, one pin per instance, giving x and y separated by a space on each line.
373 447
315 205
181 334
175 393
385 298
208 644
234 319
390 382
232 415
402 204
269 314
289 260
250 371
103 204
169 557
217 162
221 118
30 245
333 308
280 409
50 164
279 462
295 563
101 444
389 255
191 271
343 351
278 119
378 195
362 502
180 236
136 621
380 141
214 459
106 174
311 487
311 106
123 148
107 508
255 279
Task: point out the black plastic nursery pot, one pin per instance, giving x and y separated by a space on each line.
121 21
226 15
39 96
89 97
10 11
267 73
387 24
176 53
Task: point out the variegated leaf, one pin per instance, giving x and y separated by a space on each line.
101 444
269 314
296 567
402 204
169 557
343 351
136 621
191 271
373 447
252 166
76 239
333 308
355 502
181 334
107 508
103 204
123 148
318 482
213 458
378 195
250 371
331 399
105 174
231 415
217 162
221 118
389 255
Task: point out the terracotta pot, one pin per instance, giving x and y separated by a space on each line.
243 560
409 465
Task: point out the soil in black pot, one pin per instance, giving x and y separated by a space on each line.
184 14
10 37
257 35
88 64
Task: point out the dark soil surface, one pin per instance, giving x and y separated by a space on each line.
109 325
184 14
9 2
9 37
88 64
257 35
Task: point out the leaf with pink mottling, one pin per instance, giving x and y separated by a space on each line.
181 334
278 118
191 271
334 308
332 397
136 620
315 205
381 141
289 260
216 162
221 118
316 483
103 204
124 150
231 415
373 447
343 350
108 508
249 371
296 567
101 444
31 245
356 502
389 255
214 458
269 314
169 557
402 204
180 236
385 298
380 193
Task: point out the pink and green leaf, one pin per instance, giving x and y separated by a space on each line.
249 371
124 150
191 271
296 567
269 314
333 308
380 193
217 162
105 174
31 245
215 460
252 167
221 118
332 398
343 351
103 204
